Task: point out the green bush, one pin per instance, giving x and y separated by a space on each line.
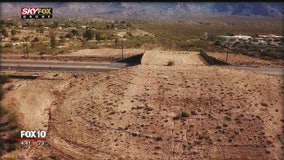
274 53
69 35
89 34
217 43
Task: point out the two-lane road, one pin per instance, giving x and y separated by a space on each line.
59 66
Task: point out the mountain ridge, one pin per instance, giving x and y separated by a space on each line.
150 10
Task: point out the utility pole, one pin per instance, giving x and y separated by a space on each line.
27 46
227 52
122 49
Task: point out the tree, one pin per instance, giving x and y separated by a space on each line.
13 32
98 36
5 32
75 32
55 24
40 29
217 43
53 42
2 23
27 45
89 34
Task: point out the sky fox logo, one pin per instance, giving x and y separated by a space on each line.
36 13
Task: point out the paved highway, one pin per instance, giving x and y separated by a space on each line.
59 66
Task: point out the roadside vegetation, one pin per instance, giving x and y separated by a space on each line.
8 123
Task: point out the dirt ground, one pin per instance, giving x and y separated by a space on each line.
84 55
244 60
153 111
162 58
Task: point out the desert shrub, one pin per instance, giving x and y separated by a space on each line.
40 30
53 42
184 114
89 34
217 43
274 53
4 79
193 113
42 53
100 36
8 45
15 39
129 34
5 32
13 32
170 63
75 32
36 39
176 117
230 34
9 145
158 138
69 35
186 46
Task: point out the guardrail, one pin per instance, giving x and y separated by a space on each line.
211 60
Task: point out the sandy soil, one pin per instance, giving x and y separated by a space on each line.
156 57
136 113
105 52
239 59
85 55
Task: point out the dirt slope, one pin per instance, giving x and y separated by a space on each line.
133 114
153 111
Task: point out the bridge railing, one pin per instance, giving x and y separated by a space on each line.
211 60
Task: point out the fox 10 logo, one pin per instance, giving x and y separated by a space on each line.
36 13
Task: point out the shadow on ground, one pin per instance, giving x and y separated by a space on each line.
133 60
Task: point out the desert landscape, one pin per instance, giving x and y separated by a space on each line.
152 111
121 81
